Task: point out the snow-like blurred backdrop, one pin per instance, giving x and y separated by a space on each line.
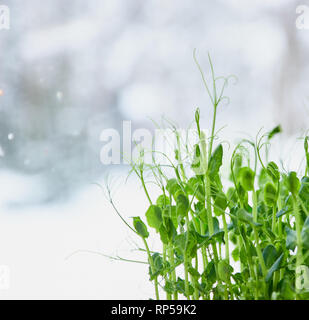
70 69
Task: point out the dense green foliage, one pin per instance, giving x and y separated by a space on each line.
248 241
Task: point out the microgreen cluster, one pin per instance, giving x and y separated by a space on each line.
246 241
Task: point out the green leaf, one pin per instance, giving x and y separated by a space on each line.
195 186
154 217
270 254
243 256
169 228
276 266
235 254
140 227
263 178
274 132
158 265
170 212
286 289
270 234
245 216
231 197
273 171
194 272
220 204
242 194
215 162
224 271
237 164
182 206
305 234
210 272
173 187
293 183
180 243
191 244
219 291
157 261
218 235
307 153
304 192
238 277
173 216
169 287
202 215
252 249
246 178
180 286
164 235
270 194
291 239
186 244
163 201
216 224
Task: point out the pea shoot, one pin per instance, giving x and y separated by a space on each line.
246 242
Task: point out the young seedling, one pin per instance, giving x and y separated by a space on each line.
245 242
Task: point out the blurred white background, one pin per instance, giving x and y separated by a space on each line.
70 69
